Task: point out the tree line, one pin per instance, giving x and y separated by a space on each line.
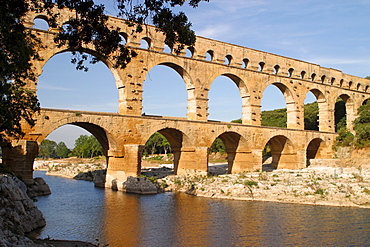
85 147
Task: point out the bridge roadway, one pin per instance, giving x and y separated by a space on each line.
123 138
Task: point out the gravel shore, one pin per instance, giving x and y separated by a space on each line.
333 186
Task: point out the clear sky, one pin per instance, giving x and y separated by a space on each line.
333 34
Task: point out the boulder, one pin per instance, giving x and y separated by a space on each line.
99 178
140 185
37 187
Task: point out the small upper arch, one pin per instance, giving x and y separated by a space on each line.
245 63
41 22
210 55
145 43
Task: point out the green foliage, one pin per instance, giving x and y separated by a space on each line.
237 121
47 149
61 150
362 126
87 147
50 149
18 46
218 146
345 138
311 111
340 117
274 118
157 144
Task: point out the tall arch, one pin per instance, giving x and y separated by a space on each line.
291 108
63 87
344 112
179 100
245 105
324 115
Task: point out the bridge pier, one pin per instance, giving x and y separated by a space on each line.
19 157
240 161
191 160
121 167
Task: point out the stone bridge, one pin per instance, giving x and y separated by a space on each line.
123 135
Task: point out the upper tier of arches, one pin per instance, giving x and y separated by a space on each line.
251 70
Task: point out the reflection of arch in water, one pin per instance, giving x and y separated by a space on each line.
282 152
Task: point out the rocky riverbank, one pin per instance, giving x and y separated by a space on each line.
326 182
334 186
18 213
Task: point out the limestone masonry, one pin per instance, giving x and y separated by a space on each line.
124 135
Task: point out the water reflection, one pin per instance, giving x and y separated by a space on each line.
78 211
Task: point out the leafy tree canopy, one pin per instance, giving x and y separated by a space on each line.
18 46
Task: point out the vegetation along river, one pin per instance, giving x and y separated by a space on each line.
76 210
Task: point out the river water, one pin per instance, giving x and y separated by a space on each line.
76 210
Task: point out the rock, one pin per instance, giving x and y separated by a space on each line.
37 187
99 178
140 185
18 213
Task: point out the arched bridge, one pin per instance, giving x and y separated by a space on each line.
123 135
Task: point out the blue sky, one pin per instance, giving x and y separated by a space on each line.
333 34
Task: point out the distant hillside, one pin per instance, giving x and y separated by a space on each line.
277 118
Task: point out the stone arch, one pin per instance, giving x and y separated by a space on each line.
44 18
119 83
178 140
290 72
244 95
303 73
344 107
147 44
46 56
106 139
190 52
239 155
284 155
324 118
228 60
183 73
276 69
290 104
365 101
210 54
245 63
314 150
261 66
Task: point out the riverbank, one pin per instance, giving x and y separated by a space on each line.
331 186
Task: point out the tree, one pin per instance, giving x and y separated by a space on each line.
311 112
218 146
61 150
362 126
47 149
88 26
87 146
81 149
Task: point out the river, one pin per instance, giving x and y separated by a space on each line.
76 210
